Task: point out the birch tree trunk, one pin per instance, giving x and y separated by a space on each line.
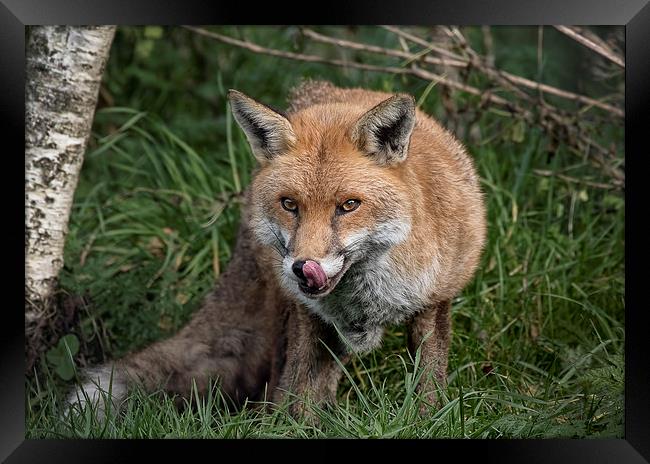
64 71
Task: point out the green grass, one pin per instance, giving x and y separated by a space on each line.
538 339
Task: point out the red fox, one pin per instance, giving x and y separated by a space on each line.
363 213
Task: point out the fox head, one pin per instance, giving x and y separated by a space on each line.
329 193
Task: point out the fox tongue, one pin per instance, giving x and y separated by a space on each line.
316 277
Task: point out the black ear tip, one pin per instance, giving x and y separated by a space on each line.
233 94
405 99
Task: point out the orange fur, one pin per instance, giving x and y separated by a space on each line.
418 233
437 184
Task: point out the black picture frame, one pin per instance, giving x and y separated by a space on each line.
15 15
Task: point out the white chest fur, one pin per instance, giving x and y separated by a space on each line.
372 295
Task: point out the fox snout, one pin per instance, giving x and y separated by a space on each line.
315 277
310 273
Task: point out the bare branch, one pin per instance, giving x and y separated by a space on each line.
563 93
601 48
546 173
533 85
381 50
424 43
550 118
418 72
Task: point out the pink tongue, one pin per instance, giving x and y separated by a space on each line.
316 277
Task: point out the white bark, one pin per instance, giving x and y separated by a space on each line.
64 70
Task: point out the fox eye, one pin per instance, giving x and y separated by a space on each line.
348 206
289 204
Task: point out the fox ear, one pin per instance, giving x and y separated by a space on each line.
384 131
268 132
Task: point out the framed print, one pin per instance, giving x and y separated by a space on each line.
408 222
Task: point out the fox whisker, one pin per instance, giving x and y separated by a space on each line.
279 247
349 249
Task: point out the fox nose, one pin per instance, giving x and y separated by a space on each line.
310 273
297 269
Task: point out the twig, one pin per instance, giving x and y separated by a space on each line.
488 41
556 119
219 206
404 44
563 93
533 85
601 49
545 173
255 48
550 118
476 61
86 249
418 72
563 129
380 50
540 54
424 43
597 40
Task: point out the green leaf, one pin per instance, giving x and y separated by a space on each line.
53 355
65 370
62 355
72 343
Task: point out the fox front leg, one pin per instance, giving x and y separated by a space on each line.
430 331
310 369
